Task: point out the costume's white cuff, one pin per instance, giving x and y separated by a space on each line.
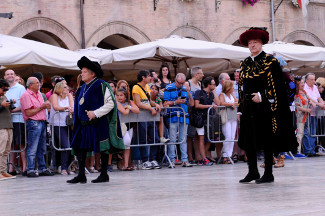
259 95
108 105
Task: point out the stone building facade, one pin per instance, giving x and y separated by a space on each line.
119 23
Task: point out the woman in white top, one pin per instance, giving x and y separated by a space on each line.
62 104
228 99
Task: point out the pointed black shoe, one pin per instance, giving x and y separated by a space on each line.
100 179
250 177
265 179
77 179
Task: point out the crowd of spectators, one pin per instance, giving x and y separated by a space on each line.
154 92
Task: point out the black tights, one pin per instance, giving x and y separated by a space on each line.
252 161
104 163
81 156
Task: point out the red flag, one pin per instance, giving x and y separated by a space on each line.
299 3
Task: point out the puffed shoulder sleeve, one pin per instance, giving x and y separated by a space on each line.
108 105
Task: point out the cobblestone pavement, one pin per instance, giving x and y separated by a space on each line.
299 189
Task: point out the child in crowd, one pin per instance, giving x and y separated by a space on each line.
125 106
154 94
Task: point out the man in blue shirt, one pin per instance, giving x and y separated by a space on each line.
14 93
176 95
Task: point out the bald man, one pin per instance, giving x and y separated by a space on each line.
33 110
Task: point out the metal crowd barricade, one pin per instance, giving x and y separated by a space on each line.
294 125
320 129
214 127
59 147
146 116
55 141
22 146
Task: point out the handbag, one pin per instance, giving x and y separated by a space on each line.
223 116
69 120
196 118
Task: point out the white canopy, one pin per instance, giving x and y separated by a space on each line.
19 51
298 56
104 56
181 53
210 55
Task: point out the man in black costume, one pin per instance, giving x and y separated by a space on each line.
96 123
265 122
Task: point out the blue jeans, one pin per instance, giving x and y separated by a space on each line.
307 140
36 144
151 129
182 132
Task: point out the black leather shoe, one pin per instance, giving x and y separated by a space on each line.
77 179
265 179
100 179
13 173
32 175
250 177
46 173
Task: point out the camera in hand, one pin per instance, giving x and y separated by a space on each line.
12 106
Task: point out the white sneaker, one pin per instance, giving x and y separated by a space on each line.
147 165
71 173
186 164
92 170
155 165
164 140
320 153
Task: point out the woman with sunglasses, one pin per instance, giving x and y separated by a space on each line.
61 105
54 80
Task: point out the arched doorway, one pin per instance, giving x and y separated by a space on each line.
190 32
302 42
46 30
117 30
45 37
303 37
116 41
112 42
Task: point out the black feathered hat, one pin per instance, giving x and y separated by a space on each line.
254 33
92 65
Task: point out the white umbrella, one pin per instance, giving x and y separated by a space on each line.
297 56
181 53
104 56
19 51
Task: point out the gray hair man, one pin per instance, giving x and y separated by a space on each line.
33 109
221 79
313 93
177 95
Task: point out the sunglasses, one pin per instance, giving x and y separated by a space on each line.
59 80
180 83
298 78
